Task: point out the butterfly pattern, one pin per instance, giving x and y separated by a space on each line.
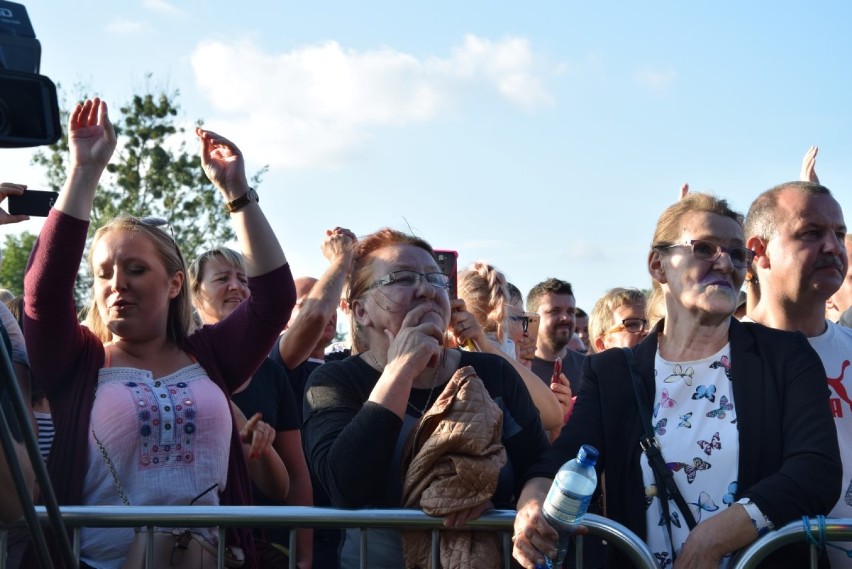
664 403
722 411
694 407
713 444
725 363
674 518
731 495
691 470
663 559
704 504
708 391
679 373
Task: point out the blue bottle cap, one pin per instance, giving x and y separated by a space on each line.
588 454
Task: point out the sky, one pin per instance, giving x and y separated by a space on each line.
544 137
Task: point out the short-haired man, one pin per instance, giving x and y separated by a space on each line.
554 302
841 301
618 320
798 234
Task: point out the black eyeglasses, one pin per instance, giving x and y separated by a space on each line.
631 325
703 250
524 320
406 278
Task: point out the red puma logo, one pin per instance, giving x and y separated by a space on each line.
836 383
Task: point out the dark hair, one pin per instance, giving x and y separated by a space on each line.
762 219
550 286
580 313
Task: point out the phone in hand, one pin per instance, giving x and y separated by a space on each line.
557 369
32 202
448 263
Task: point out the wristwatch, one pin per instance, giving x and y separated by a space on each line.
242 201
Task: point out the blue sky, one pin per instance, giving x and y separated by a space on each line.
545 138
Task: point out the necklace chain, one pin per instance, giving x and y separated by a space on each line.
431 390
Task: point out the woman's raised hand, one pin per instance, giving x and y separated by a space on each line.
91 137
223 163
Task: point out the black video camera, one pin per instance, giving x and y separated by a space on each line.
29 109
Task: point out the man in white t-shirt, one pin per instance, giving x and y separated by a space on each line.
798 234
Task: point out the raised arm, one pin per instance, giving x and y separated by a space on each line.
306 329
808 173
91 143
225 167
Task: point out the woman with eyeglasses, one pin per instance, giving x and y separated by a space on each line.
738 411
359 412
139 401
484 320
618 320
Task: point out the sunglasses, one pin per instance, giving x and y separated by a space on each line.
524 320
631 325
708 251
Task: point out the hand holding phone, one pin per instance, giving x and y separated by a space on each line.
32 202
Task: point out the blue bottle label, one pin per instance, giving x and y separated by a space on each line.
565 506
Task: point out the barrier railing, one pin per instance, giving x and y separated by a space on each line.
831 529
295 517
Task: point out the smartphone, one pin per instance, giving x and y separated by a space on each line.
448 261
32 202
557 369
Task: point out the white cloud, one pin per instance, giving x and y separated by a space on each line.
124 26
163 7
315 104
656 80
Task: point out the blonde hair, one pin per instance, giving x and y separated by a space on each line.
195 274
485 293
601 318
179 320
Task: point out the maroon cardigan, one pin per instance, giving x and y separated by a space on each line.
66 356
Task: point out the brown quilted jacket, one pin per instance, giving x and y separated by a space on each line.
451 463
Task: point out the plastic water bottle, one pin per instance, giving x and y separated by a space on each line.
569 498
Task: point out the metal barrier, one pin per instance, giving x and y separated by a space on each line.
295 517
834 529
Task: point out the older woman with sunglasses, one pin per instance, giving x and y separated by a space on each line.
738 411
360 411
140 403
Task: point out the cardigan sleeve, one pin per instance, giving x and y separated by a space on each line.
240 342
55 339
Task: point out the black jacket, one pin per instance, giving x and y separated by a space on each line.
789 461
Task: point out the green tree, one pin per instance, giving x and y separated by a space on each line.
16 252
151 174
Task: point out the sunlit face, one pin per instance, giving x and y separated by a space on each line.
581 327
807 257
516 328
557 313
132 288
843 297
621 338
693 285
384 307
222 287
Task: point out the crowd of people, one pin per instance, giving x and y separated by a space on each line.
217 382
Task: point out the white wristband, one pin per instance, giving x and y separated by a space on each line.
761 523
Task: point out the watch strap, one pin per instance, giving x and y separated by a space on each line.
242 201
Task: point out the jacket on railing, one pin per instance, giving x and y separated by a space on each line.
451 462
